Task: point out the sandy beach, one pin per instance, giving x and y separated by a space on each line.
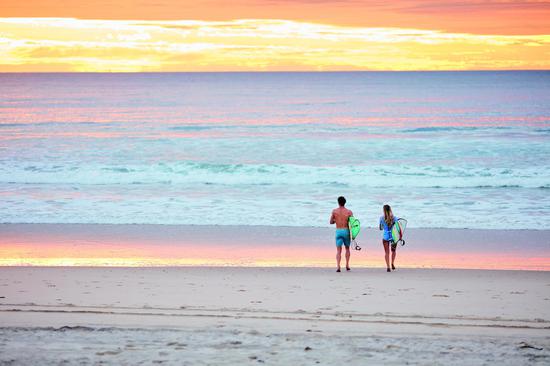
214 315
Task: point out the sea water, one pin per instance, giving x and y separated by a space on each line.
445 149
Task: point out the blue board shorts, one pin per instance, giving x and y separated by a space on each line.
342 238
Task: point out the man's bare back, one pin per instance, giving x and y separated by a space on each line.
340 217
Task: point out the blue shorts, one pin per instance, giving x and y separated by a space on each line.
342 237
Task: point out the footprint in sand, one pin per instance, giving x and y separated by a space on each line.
109 353
440 295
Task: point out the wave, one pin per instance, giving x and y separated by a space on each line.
6 125
450 129
374 130
238 175
53 123
194 127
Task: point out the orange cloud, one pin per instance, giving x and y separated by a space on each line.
33 44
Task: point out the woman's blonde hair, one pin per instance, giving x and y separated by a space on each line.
388 215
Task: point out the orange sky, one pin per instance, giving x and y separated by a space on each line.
511 17
273 35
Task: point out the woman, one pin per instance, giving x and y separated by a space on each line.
386 223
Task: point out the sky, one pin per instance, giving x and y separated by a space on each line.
273 35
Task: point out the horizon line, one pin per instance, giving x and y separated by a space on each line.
272 71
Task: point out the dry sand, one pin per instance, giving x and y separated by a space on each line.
209 315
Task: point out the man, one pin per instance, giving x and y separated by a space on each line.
340 217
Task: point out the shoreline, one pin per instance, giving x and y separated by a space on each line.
363 227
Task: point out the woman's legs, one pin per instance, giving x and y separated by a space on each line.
393 254
387 251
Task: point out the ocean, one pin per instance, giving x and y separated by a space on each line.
445 149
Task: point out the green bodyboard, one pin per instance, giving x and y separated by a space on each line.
354 227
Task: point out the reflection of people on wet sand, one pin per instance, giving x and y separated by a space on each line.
340 217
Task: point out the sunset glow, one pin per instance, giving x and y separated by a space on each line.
70 44
57 251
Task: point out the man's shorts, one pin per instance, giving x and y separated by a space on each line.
342 238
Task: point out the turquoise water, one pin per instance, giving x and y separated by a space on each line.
445 149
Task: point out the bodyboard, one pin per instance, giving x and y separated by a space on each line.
354 227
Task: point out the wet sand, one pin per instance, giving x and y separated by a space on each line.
266 246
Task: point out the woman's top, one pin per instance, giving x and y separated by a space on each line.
387 230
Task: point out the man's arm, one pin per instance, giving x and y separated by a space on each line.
332 219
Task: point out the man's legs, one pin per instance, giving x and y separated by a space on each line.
347 257
338 257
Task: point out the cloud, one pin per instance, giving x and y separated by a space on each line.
253 44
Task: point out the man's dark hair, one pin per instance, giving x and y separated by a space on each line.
341 201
